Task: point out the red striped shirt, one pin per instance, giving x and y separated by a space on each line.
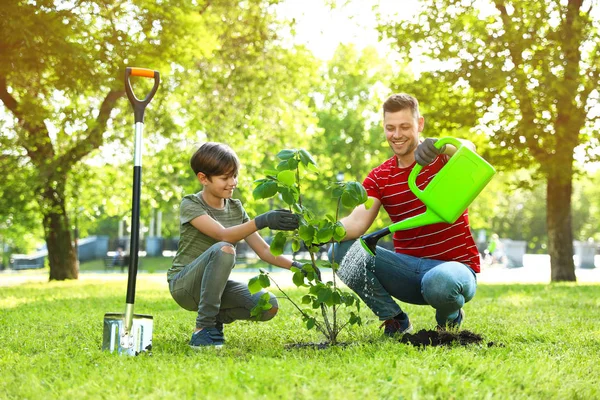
442 241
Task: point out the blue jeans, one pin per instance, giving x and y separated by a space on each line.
204 286
444 285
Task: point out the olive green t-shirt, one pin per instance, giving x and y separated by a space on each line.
192 242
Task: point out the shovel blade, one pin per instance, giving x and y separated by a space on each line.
137 341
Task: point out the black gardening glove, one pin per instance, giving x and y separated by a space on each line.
280 220
426 152
299 266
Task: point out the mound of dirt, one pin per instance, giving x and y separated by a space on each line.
442 338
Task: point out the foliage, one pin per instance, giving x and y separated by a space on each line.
63 100
545 346
528 72
314 231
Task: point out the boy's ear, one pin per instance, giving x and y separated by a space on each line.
202 178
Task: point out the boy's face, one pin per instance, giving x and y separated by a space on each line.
220 186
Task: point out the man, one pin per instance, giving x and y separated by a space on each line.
432 265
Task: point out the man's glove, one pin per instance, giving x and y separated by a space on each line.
426 152
281 220
299 266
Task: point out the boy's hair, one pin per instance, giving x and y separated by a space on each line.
213 159
401 101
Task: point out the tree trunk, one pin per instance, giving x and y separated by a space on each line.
560 231
61 253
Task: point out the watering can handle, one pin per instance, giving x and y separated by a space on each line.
412 178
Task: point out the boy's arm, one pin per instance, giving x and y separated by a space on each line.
215 230
262 250
277 219
360 219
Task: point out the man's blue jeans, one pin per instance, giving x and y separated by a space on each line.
444 285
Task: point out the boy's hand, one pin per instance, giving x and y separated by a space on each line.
280 220
299 266
426 152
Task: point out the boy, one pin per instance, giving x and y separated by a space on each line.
211 223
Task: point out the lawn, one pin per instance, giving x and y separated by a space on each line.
546 345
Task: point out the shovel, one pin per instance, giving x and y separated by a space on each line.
447 195
131 333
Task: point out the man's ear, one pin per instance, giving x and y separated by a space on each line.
421 123
202 178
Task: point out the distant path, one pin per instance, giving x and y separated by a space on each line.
531 272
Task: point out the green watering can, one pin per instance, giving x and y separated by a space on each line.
448 194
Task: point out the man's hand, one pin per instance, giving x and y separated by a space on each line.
281 220
426 152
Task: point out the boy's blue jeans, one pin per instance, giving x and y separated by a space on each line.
204 286
444 285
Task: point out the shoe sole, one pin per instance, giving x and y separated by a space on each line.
207 346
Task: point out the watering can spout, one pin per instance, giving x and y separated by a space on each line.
369 242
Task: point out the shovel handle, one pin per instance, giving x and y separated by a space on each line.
139 106
412 178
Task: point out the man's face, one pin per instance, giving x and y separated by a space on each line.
402 133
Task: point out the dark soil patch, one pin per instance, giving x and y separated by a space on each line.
442 338
317 346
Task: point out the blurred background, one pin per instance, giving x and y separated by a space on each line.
517 78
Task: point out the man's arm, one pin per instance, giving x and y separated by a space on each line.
360 219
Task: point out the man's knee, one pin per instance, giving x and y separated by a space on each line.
448 283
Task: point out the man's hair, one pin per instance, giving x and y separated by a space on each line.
213 159
401 101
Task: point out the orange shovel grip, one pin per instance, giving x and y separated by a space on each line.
146 73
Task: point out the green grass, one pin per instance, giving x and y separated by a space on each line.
51 334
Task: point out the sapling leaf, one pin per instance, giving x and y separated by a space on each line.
306 299
292 163
295 245
339 232
265 190
298 279
306 158
324 294
337 192
286 154
324 235
277 244
254 285
336 298
310 323
306 233
282 166
264 281
288 194
348 201
288 178
313 168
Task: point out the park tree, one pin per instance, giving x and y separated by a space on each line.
61 84
530 71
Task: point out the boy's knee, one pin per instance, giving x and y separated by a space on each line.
271 312
228 248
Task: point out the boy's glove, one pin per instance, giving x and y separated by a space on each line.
281 220
299 266
426 152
